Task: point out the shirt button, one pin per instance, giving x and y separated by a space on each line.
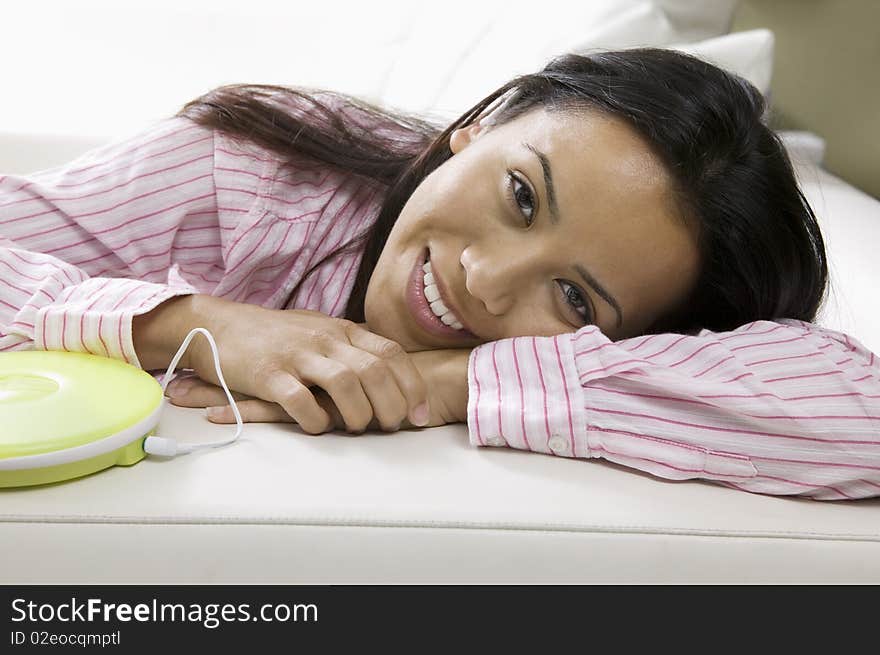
558 444
496 441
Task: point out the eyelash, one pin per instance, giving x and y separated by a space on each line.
512 180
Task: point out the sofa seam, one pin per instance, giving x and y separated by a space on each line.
476 525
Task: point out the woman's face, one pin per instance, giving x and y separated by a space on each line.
513 219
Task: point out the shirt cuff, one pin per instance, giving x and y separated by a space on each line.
524 393
95 316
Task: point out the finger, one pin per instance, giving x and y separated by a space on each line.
252 411
409 381
181 381
195 392
256 410
340 382
297 401
375 376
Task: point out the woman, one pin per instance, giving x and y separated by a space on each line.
609 258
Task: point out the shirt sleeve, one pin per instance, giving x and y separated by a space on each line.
775 407
87 246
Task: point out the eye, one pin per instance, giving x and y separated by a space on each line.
521 196
577 300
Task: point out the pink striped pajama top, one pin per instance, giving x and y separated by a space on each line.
782 407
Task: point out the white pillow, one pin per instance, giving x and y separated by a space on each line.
452 59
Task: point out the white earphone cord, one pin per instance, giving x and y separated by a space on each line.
167 447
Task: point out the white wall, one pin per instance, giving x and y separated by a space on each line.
105 67
78 73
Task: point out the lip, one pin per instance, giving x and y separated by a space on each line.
421 311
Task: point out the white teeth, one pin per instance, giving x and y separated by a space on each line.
432 295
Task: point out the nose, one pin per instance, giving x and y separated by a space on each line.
497 275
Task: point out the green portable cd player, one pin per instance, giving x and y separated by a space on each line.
66 414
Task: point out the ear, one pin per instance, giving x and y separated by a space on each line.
464 136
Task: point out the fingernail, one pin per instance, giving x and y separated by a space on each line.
179 389
214 412
420 414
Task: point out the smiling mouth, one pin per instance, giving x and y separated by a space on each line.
431 291
427 305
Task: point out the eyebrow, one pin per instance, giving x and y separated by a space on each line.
588 277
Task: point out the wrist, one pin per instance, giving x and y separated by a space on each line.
158 334
457 384
204 311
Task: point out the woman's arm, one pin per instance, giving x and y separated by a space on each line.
444 372
772 407
88 246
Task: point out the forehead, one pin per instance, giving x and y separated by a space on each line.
617 210
596 150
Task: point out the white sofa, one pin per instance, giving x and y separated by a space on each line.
281 506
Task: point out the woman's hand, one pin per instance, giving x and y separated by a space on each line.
444 371
280 356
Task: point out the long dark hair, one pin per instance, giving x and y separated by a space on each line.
762 253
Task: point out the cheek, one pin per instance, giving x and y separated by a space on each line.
538 313
458 192
420 208
537 322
